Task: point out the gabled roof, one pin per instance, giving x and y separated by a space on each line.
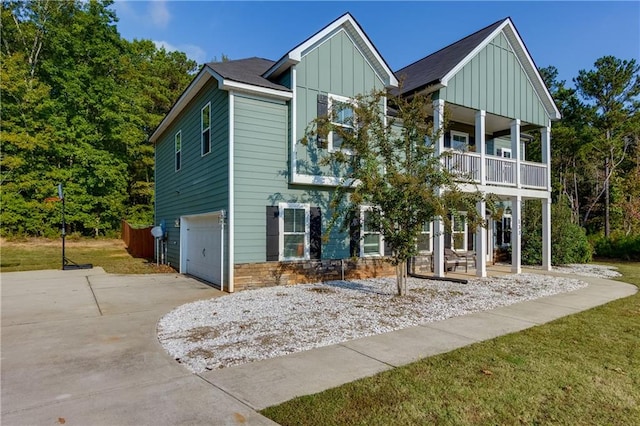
432 69
357 34
247 71
438 68
243 75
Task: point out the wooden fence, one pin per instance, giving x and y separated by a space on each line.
139 242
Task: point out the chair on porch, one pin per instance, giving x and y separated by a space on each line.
453 259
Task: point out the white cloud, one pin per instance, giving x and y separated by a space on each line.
192 51
160 15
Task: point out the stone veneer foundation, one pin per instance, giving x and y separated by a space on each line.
267 274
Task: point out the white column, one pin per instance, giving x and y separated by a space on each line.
546 151
546 234
516 234
438 225
515 148
480 144
481 242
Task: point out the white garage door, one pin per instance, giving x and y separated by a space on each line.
202 247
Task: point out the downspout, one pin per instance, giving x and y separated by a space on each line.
231 209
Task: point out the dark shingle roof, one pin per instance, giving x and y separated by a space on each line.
247 71
431 69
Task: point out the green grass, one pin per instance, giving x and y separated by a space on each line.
110 254
580 370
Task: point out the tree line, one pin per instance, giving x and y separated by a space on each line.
79 103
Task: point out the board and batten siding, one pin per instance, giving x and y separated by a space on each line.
495 81
336 67
201 184
261 178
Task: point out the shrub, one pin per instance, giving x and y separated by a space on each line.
569 243
624 247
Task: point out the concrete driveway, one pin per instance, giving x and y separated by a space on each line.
80 348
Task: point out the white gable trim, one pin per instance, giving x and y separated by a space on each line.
361 41
523 57
205 74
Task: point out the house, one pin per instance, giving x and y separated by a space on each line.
244 203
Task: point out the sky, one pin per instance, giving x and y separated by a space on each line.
568 35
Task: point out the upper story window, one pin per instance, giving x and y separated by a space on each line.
342 115
178 149
459 141
371 243
424 239
294 231
503 152
205 129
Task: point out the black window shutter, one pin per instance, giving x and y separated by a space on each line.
354 238
315 249
323 111
273 233
470 238
447 240
388 250
447 139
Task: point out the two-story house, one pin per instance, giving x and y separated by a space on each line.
244 203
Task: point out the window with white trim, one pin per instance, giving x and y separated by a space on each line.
371 243
205 129
294 231
342 115
459 232
424 239
504 152
459 141
178 149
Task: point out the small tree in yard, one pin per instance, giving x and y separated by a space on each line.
389 164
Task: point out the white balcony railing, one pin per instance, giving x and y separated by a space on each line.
501 171
498 170
533 175
465 164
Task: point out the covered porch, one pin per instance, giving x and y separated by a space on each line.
493 155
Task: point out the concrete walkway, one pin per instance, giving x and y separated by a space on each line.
80 347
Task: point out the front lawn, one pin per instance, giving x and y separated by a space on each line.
581 369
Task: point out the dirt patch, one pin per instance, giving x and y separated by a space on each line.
57 242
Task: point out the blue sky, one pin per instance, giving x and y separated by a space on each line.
568 35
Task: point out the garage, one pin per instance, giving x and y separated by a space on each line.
201 247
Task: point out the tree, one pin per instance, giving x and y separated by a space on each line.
78 105
611 89
394 170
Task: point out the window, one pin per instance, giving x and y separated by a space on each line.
294 235
371 243
178 147
504 152
205 129
342 115
459 141
459 232
424 240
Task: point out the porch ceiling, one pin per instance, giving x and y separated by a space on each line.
493 123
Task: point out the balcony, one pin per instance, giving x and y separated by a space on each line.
498 170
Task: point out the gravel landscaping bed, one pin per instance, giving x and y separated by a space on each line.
270 322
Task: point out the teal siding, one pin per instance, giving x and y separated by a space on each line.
261 178
495 82
335 67
201 185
